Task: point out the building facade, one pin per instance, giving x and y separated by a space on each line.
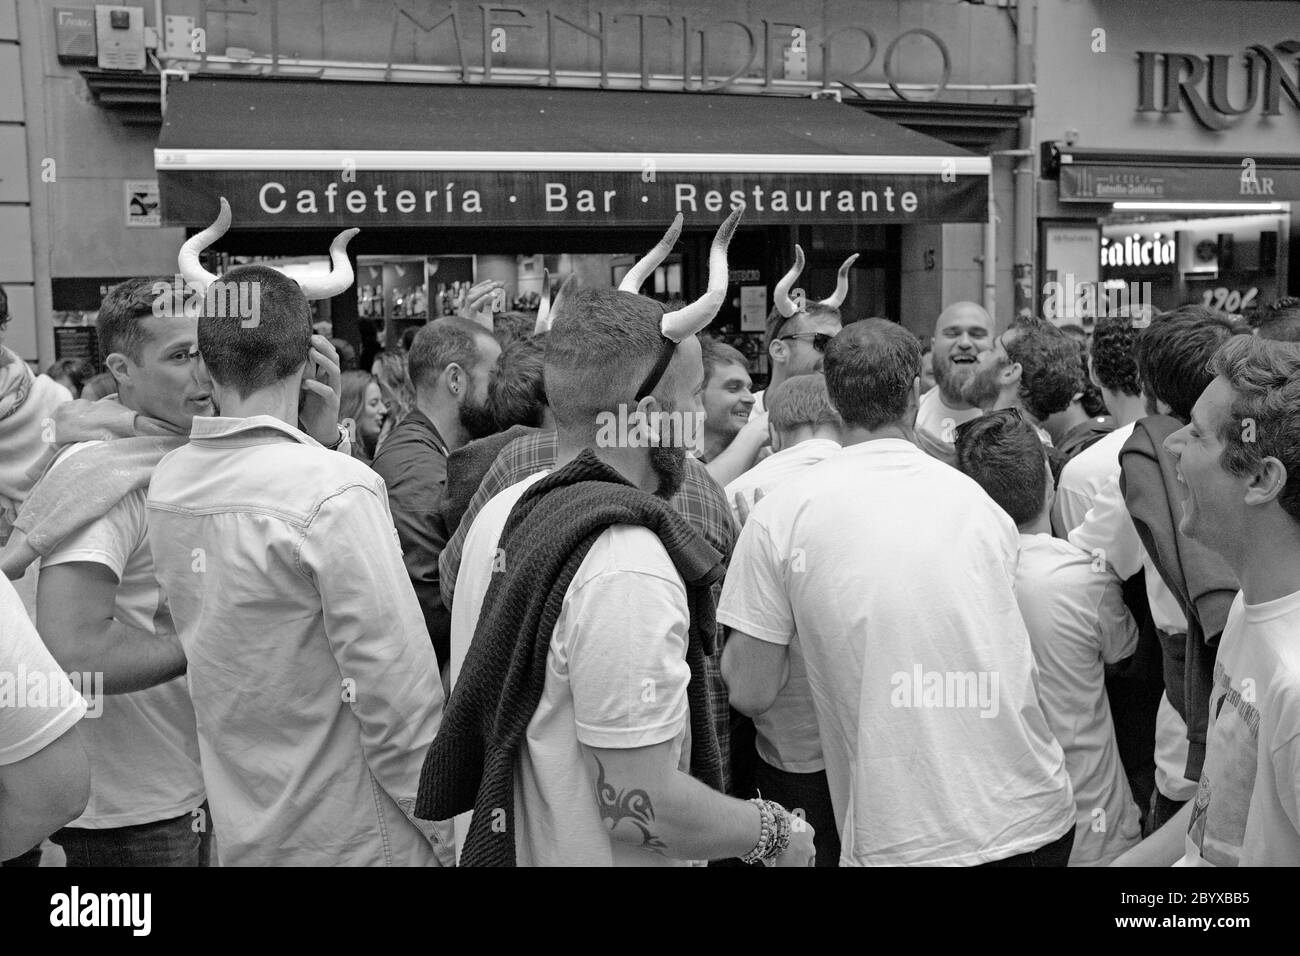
444 128
1170 138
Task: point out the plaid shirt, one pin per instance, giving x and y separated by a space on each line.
700 501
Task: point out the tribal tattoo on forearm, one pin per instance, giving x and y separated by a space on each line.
633 806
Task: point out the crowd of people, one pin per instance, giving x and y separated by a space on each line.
565 590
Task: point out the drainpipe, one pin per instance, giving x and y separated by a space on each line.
990 263
1026 224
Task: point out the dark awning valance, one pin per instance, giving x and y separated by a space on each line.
317 153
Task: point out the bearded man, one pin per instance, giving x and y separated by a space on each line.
1034 367
450 366
962 331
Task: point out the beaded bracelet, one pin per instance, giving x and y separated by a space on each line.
773 835
781 841
766 831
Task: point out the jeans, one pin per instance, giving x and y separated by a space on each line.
810 793
164 843
1056 853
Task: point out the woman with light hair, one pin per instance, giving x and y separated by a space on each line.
362 413
389 370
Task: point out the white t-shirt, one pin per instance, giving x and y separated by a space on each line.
1108 531
144 748
786 733
38 704
1084 475
1077 623
616 678
1247 810
776 468
477 576
896 571
936 419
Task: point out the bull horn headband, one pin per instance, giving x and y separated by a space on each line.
544 305
325 287
789 308
680 324
556 305
637 275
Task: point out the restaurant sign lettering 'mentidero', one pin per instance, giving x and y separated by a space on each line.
656 47
306 198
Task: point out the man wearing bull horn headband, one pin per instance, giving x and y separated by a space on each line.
581 705
99 609
798 329
314 684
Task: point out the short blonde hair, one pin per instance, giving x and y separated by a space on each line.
800 401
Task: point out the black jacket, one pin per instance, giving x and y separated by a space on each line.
413 464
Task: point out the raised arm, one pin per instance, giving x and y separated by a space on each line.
738 457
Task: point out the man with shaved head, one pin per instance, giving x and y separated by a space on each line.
962 331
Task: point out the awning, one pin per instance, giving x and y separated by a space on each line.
1095 175
292 154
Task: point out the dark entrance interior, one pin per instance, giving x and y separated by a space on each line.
874 285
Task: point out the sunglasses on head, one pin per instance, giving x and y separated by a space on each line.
819 339
1005 415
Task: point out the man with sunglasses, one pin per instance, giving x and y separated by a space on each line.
797 345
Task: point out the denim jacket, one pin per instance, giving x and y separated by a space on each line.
314 685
